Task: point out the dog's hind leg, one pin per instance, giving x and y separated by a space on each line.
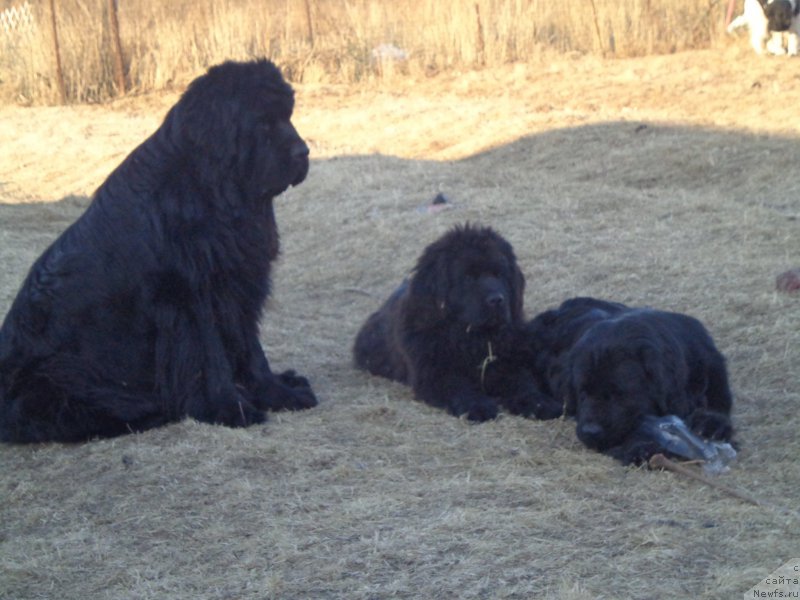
55 400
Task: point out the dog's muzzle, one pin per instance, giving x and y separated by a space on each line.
299 162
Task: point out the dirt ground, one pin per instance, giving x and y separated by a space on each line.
668 181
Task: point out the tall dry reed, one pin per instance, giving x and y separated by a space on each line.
166 44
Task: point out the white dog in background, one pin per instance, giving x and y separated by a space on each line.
767 21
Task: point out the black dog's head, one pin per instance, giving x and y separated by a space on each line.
470 276
233 125
618 372
779 15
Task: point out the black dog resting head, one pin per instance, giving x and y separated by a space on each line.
621 370
612 365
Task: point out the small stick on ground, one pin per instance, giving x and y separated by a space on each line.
659 461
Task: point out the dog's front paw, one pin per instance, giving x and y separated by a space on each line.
233 410
287 391
301 398
636 452
534 405
793 44
775 45
711 425
482 409
291 379
548 408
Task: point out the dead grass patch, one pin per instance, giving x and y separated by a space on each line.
165 45
656 187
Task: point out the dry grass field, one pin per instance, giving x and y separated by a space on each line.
165 44
670 181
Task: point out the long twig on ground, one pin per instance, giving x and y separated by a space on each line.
659 461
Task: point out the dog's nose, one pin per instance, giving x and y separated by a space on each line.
495 300
298 154
299 150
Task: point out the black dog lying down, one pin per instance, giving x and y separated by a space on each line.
612 365
448 330
146 309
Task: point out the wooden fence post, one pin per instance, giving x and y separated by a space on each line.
119 69
62 90
310 29
597 29
480 41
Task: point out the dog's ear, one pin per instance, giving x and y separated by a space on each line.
652 361
697 387
429 286
208 122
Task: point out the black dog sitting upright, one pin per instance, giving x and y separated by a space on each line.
611 365
450 330
146 309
